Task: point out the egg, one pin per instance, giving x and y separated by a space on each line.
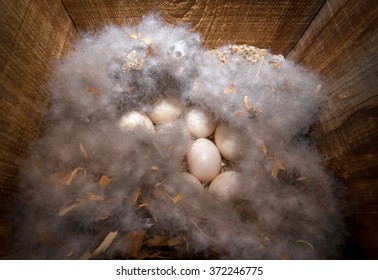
200 123
133 120
225 185
186 178
229 141
204 160
165 110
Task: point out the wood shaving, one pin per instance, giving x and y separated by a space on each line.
148 51
246 103
279 163
92 91
301 178
318 88
260 65
307 243
135 195
133 36
201 231
157 241
177 198
147 41
145 255
264 149
104 181
277 166
177 240
65 210
283 256
229 89
134 242
69 254
239 114
155 168
67 179
83 151
85 256
94 197
105 244
103 217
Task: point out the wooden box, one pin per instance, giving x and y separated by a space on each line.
337 38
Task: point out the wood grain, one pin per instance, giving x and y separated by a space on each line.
342 44
32 35
272 24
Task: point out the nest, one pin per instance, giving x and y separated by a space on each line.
110 194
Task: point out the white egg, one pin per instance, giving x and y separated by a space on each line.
204 160
200 123
229 141
225 185
188 179
133 120
165 110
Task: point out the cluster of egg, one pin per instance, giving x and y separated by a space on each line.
204 157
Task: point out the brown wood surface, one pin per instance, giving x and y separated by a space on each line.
342 44
273 24
32 35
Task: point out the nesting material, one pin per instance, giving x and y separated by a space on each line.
111 167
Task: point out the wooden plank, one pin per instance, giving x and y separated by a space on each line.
342 45
273 24
32 35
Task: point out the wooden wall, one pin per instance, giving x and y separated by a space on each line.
273 24
342 44
32 35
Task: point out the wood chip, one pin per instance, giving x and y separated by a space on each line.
284 256
203 232
177 240
155 168
67 179
229 89
92 91
65 210
239 114
318 88
301 178
103 217
135 195
264 149
94 197
260 65
147 41
279 163
156 241
106 243
133 36
246 103
307 243
83 151
145 255
134 242
69 254
148 51
85 256
104 181
178 198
